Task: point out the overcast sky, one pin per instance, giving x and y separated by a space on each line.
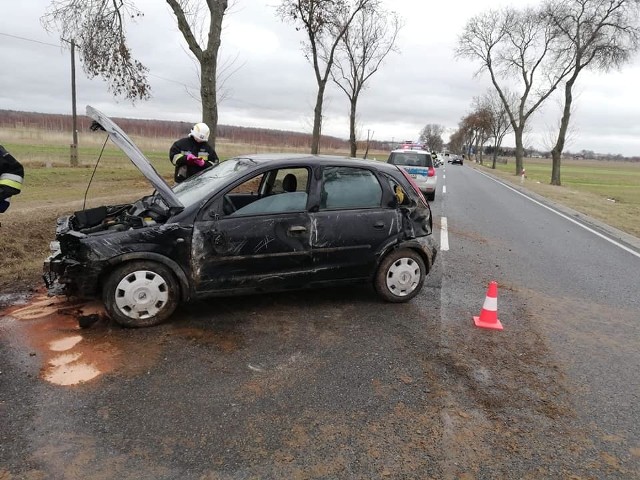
273 86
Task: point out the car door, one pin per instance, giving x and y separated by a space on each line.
351 225
264 245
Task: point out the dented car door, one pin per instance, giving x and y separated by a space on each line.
351 226
258 247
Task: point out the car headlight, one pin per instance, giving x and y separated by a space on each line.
54 246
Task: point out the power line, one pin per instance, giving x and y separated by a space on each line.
60 46
30 40
174 81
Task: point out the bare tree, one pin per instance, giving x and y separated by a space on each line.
325 22
474 128
499 124
550 132
465 135
365 44
98 27
480 123
431 135
456 141
514 46
596 34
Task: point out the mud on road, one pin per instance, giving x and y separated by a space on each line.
328 384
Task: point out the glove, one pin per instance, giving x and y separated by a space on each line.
193 160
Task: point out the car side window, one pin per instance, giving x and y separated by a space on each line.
399 192
348 187
280 191
251 186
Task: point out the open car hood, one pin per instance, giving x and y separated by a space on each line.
137 157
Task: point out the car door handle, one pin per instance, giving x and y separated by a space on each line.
297 230
378 225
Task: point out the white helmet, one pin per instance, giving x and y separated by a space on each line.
200 132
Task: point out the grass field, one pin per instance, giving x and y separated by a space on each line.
605 190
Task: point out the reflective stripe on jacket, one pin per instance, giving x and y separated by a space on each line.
10 180
11 174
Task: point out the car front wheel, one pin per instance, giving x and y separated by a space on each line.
140 294
400 276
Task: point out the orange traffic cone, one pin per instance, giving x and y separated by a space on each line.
489 315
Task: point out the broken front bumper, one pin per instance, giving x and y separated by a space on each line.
69 277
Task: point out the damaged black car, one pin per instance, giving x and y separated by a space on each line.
253 223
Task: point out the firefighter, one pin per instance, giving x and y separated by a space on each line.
192 154
11 178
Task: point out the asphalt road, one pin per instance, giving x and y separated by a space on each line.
336 384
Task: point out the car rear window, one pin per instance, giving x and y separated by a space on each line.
409 158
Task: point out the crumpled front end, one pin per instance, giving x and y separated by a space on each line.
67 269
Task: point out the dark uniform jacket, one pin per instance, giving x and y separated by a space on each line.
11 178
178 156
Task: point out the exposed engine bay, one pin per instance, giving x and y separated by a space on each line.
144 212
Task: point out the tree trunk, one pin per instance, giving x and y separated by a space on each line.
352 127
208 94
209 69
495 154
317 120
556 151
519 150
478 158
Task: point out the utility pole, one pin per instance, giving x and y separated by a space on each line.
74 145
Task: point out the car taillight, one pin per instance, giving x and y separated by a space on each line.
414 185
432 172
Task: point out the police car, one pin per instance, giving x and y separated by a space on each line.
419 165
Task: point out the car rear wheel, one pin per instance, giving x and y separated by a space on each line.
400 276
140 294
431 196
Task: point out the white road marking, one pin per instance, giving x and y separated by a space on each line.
588 229
444 235
444 189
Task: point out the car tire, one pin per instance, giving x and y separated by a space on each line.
431 196
400 276
140 294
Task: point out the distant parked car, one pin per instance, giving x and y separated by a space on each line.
253 223
419 165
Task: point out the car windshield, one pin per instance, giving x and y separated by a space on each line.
196 188
410 158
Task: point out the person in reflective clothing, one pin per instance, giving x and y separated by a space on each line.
11 178
192 154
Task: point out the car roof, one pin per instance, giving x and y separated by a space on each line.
291 159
